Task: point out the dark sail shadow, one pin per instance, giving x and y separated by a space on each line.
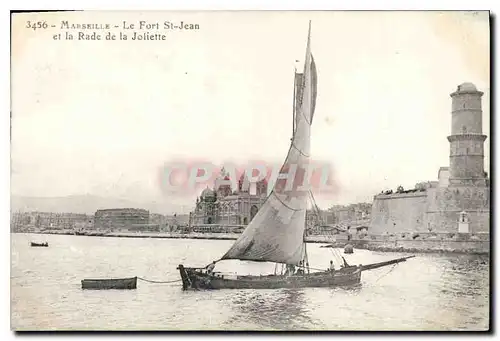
284 309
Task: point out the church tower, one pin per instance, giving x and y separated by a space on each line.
467 139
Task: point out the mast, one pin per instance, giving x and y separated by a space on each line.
305 261
294 100
315 206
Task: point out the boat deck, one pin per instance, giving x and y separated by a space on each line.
195 279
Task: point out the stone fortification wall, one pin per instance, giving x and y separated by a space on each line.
398 212
435 210
478 243
445 204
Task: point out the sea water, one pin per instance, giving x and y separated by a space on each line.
428 292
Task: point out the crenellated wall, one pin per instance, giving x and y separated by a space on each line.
435 210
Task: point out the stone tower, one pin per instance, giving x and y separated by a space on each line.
467 139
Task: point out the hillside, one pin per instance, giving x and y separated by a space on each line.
88 204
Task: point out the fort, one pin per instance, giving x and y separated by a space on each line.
459 201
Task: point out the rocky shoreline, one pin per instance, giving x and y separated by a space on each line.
423 249
422 246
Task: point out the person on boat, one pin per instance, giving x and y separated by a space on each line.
210 268
307 266
290 269
300 270
332 267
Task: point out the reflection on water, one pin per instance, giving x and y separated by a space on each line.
285 309
274 309
429 292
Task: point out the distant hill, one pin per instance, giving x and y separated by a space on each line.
88 204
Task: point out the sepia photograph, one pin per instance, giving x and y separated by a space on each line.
250 171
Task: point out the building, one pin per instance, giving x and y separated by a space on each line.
24 221
224 205
350 214
176 221
121 218
319 217
463 186
157 219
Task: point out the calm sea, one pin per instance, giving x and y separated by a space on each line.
429 292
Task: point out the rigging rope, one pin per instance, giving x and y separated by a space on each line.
300 151
337 255
388 272
281 201
150 281
335 252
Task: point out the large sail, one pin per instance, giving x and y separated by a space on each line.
276 233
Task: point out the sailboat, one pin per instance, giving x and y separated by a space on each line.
277 232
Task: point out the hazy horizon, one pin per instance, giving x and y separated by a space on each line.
102 118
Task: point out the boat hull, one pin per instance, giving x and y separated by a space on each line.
193 278
39 244
106 284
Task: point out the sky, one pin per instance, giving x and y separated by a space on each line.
103 117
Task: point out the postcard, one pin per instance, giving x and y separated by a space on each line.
250 171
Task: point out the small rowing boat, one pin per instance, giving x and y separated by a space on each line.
33 244
113 283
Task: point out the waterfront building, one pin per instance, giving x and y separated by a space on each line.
176 221
121 218
317 218
24 221
157 219
350 214
224 205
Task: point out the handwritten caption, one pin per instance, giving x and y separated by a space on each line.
141 30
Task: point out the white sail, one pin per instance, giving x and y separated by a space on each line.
276 233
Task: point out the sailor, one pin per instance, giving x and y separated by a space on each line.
307 265
210 268
332 267
300 270
290 269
